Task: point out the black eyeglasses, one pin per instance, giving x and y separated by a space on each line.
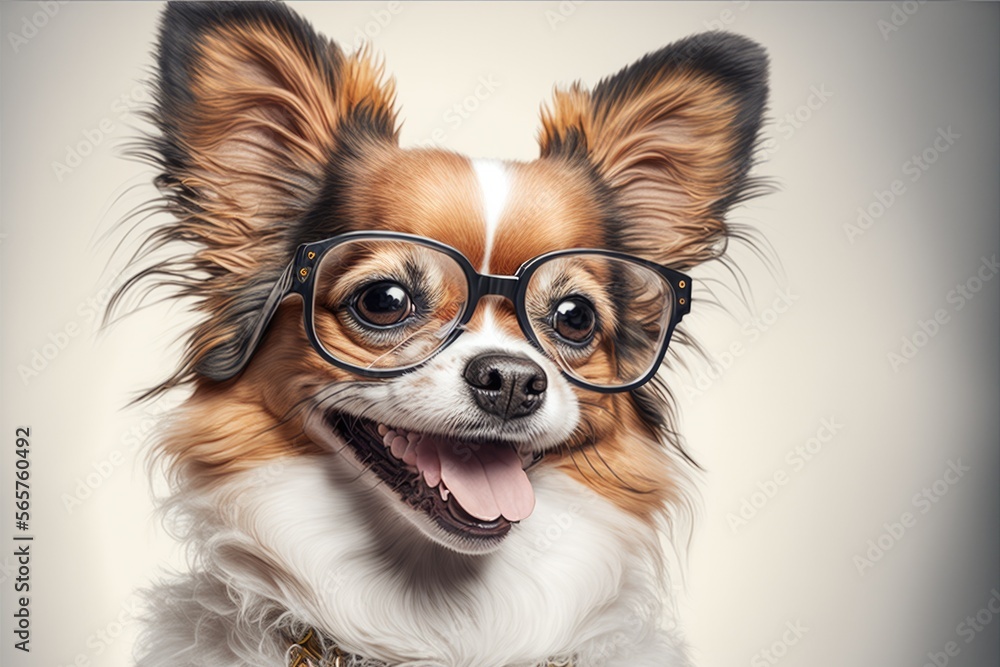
379 304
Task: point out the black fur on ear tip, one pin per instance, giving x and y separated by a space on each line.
204 14
739 63
730 58
734 61
728 55
184 24
182 20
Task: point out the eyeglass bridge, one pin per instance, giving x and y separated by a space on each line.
489 285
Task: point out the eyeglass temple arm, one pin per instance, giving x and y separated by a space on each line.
232 364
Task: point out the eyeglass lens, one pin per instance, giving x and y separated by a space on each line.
390 304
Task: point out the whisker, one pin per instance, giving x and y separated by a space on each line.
613 472
591 443
394 348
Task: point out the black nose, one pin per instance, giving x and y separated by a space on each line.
506 386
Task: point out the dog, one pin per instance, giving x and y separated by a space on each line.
424 422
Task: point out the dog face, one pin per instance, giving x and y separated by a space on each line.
272 137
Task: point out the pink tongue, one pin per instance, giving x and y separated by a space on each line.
487 481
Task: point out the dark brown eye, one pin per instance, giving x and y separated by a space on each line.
574 320
383 304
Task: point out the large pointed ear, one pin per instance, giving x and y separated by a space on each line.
672 135
252 108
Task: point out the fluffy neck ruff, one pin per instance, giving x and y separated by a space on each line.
302 544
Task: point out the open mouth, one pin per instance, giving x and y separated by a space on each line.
474 490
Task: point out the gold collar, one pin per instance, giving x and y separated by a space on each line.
308 652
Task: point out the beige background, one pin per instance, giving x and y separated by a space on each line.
886 97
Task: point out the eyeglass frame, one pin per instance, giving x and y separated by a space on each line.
299 278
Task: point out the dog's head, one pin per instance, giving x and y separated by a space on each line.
438 354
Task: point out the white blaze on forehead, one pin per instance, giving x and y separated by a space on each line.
494 186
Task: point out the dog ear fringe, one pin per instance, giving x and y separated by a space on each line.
673 135
250 107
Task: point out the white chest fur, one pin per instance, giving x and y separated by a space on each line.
303 542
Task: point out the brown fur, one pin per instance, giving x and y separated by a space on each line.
553 209
244 149
270 136
669 149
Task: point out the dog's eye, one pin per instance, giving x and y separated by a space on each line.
574 320
383 304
